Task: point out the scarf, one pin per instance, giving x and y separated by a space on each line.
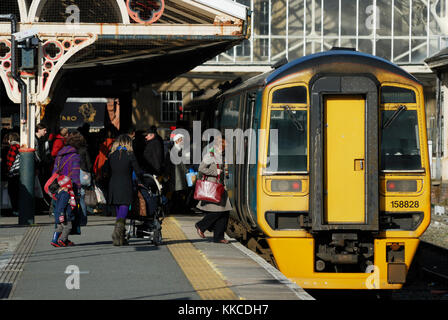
65 182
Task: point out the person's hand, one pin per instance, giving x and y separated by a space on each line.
61 218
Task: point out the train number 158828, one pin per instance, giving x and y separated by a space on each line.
404 204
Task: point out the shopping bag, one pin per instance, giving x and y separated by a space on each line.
208 191
99 195
85 178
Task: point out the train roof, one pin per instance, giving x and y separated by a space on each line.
317 59
336 56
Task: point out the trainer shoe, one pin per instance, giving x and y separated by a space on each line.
55 244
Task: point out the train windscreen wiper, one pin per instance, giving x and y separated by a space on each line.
394 116
296 122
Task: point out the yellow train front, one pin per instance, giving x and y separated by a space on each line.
337 179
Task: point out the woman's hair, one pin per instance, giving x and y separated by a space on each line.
122 141
13 136
76 140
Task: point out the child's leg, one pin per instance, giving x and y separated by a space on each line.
60 210
66 229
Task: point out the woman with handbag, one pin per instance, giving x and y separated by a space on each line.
119 167
216 214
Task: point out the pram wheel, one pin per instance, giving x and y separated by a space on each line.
157 238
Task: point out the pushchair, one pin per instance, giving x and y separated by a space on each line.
147 212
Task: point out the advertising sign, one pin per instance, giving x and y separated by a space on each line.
78 111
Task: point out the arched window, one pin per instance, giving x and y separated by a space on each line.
88 11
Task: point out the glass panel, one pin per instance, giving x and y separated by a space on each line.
391 94
400 148
401 18
291 144
278 16
278 47
295 19
383 48
384 18
348 17
290 95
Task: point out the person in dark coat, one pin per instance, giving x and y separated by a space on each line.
153 154
120 166
216 214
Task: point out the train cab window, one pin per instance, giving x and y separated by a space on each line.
400 146
287 150
391 94
290 95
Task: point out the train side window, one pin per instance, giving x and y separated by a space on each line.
400 146
287 149
290 95
390 94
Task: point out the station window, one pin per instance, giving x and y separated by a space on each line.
171 101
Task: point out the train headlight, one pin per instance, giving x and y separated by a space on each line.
401 185
286 186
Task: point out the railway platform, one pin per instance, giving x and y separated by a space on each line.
184 267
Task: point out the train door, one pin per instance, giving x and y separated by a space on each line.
344 157
344 114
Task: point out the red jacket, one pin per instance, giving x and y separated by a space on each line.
59 142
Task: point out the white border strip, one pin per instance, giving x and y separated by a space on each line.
227 6
298 291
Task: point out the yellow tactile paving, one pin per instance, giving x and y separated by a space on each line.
204 279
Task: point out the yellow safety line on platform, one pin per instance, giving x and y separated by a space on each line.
207 283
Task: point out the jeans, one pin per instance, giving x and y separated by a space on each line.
62 207
83 206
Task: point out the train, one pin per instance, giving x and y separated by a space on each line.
332 186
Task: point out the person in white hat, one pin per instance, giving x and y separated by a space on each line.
177 178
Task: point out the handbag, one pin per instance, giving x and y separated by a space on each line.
90 198
208 191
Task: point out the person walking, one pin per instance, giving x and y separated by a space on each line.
120 166
67 164
153 154
85 177
177 182
216 214
59 141
12 167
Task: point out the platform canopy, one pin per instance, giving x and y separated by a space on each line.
120 41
